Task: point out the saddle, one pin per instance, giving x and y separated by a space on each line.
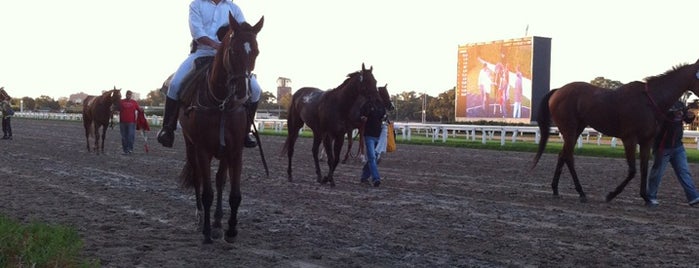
201 67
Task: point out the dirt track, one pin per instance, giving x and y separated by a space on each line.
438 207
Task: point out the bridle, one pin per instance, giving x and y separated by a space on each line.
231 78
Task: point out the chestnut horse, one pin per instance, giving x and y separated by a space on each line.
97 113
388 105
328 114
632 112
214 125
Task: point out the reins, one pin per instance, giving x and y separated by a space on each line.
660 113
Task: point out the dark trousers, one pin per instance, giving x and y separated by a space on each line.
6 127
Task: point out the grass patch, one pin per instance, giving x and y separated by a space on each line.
40 245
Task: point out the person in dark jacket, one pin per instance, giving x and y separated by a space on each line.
668 147
372 113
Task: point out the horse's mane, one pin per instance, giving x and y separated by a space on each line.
660 76
3 94
349 78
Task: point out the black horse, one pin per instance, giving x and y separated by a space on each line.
328 114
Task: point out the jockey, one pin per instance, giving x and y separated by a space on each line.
205 18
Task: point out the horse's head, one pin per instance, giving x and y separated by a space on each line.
114 98
4 95
367 84
238 53
386 98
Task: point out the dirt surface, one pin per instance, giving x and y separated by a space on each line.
437 207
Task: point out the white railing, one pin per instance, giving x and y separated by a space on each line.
405 130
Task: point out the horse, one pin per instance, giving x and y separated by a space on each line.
214 124
4 95
633 112
328 114
388 105
97 113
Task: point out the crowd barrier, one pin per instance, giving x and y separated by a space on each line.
437 132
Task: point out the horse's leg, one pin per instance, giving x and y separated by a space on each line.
314 150
349 146
336 150
293 134
203 170
235 167
566 156
330 154
645 156
557 174
104 134
220 185
630 150
86 125
97 138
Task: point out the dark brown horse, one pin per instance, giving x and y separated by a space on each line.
328 114
632 112
214 125
4 95
97 113
388 104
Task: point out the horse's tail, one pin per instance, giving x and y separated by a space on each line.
544 122
187 179
91 129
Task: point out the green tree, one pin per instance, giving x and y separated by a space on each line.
154 98
29 103
46 102
442 107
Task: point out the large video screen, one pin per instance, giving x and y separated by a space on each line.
502 80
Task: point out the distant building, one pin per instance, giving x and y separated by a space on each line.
77 98
283 87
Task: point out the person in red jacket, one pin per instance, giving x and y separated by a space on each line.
127 122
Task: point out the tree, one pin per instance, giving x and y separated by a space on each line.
408 106
154 98
267 101
606 83
442 107
285 101
46 102
63 102
29 103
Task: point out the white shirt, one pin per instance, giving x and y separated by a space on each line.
206 17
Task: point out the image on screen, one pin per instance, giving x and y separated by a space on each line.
494 81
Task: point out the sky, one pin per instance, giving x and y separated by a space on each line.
58 48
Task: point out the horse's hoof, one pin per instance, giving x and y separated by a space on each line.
207 240
556 196
332 183
583 199
609 197
216 233
230 236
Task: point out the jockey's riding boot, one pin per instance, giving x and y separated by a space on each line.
251 109
166 136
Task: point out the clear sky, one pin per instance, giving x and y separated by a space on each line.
57 48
